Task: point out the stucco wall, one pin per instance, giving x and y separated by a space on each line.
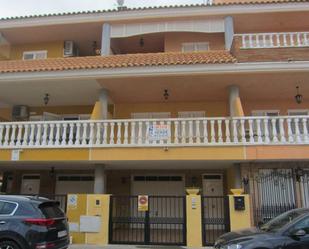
173 41
54 49
211 108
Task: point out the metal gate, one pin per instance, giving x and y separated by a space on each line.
163 224
275 191
215 218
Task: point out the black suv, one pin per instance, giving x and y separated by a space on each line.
32 223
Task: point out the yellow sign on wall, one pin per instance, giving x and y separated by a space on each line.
143 203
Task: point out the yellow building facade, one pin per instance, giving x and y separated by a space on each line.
153 102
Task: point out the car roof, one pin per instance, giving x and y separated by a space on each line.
23 198
301 210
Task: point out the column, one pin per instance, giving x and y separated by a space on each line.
238 183
234 102
99 180
104 103
228 32
240 210
106 39
194 218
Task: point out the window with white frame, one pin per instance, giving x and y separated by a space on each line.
298 112
35 55
195 46
150 115
191 114
266 113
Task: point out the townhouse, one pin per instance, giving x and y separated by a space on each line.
157 100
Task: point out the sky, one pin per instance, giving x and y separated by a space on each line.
11 8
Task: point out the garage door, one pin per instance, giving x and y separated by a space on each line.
76 184
158 185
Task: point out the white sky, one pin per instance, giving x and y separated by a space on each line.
9 8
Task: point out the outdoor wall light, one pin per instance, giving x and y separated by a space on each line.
142 42
46 98
298 96
166 94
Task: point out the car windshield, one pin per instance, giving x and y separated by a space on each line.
279 222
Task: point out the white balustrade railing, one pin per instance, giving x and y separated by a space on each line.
156 132
275 40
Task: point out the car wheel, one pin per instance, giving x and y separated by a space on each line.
8 244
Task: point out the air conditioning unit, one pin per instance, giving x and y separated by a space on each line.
20 112
70 49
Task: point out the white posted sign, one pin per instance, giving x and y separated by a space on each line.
158 132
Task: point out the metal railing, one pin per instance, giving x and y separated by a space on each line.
156 132
275 40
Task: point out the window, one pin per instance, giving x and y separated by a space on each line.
302 225
51 210
72 117
35 55
191 114
195 114
266 113
195 46
157 178
31 177
76 178
150 115
300 123
7 208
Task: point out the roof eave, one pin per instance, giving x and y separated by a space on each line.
200 69
144 14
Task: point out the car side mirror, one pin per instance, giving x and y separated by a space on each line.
298 233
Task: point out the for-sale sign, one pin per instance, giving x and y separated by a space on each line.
157 132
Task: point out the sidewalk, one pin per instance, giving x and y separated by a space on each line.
129 247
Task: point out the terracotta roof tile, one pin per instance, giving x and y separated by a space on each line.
209 4
117 61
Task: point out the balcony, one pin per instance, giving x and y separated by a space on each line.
275 40
282 46
280 130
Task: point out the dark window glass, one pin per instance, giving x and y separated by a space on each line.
139 178
176 178
31 177
164 178
151 178
76 178
51 210
158 178
303 224
212 177
7 208
87 178
26 210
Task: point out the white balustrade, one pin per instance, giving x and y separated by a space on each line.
156 132
275 40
